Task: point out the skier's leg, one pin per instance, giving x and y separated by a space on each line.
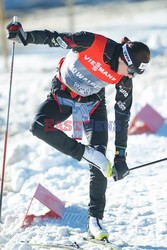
48 115
97 135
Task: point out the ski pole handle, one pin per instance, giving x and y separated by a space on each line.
15 19
20 31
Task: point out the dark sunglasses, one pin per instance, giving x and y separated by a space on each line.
132 70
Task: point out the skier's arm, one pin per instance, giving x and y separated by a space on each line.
122 116
77 41
122 111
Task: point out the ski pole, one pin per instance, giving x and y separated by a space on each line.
7 125
149 163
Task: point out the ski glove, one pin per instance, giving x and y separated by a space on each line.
120 168
16 33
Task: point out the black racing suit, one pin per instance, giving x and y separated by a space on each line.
50 109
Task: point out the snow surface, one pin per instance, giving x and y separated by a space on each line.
136 209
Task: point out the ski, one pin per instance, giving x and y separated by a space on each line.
104 243
72 246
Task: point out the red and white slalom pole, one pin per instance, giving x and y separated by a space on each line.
7 124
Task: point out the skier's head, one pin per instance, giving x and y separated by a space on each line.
136 56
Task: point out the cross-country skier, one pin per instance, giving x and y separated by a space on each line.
78 88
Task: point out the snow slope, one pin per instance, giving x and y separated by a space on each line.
136 214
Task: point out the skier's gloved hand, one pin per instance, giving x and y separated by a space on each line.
16 32
120 168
